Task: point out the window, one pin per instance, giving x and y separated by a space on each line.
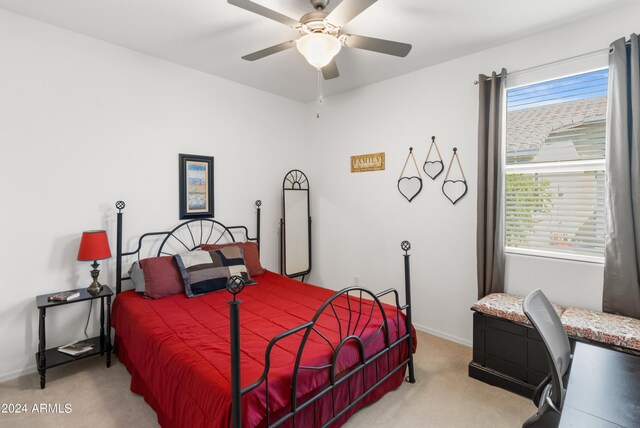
555 164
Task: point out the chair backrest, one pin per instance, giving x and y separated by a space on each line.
546 321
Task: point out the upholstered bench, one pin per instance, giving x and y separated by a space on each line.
622 333
506 306
509 353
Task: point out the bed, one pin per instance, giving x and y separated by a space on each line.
276 353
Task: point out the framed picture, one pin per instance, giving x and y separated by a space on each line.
196 186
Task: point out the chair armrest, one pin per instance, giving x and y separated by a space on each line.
540 389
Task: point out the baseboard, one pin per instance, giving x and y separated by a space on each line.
17 373
443 335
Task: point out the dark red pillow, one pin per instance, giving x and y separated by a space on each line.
162 277
251 255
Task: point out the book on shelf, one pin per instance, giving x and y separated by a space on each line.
64 296
76 348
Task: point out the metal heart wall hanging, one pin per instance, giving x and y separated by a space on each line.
410 186
454 190
433 168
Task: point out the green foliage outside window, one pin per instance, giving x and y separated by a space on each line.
523 210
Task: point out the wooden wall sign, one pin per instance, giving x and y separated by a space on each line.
368 162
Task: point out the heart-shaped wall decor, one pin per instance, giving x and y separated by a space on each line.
409 187
454 190
433 168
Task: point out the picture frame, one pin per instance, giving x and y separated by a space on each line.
196 186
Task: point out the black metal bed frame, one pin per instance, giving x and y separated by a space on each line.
351 332
216 230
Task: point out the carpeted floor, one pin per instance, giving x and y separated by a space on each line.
443 396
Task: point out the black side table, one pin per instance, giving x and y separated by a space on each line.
48 358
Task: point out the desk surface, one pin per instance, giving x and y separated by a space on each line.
603 389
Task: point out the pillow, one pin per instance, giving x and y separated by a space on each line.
161 277
251 255
207 271
137 277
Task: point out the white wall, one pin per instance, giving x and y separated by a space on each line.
360 219
85 123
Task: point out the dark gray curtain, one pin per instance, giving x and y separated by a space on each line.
622 237
490 239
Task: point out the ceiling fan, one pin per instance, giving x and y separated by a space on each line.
321 36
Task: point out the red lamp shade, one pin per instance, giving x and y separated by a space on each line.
94 246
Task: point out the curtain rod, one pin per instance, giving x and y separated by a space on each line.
559 61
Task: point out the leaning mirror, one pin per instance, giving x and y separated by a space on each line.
295 226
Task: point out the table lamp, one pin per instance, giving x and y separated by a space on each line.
94 245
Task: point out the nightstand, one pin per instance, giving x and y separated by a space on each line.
48 358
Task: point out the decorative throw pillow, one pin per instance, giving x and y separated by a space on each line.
251 255
207 271
161 277
137 277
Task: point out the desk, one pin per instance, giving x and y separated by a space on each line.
603 389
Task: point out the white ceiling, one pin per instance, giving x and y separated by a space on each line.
211 35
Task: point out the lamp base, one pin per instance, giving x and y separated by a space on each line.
95 287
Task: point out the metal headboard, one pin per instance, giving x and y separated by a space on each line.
186 236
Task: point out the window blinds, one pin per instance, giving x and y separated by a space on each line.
555 150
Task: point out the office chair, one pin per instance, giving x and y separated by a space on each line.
549 396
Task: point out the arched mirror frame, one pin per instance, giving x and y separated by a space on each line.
294 181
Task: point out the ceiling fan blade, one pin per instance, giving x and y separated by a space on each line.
330 71
378 45
269 51
264 11
347 10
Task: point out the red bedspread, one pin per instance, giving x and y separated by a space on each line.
177 351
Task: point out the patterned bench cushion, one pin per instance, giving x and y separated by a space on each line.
611 329
506 306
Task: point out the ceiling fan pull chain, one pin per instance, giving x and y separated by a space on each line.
319 93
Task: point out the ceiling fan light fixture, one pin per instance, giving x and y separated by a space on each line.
318 48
